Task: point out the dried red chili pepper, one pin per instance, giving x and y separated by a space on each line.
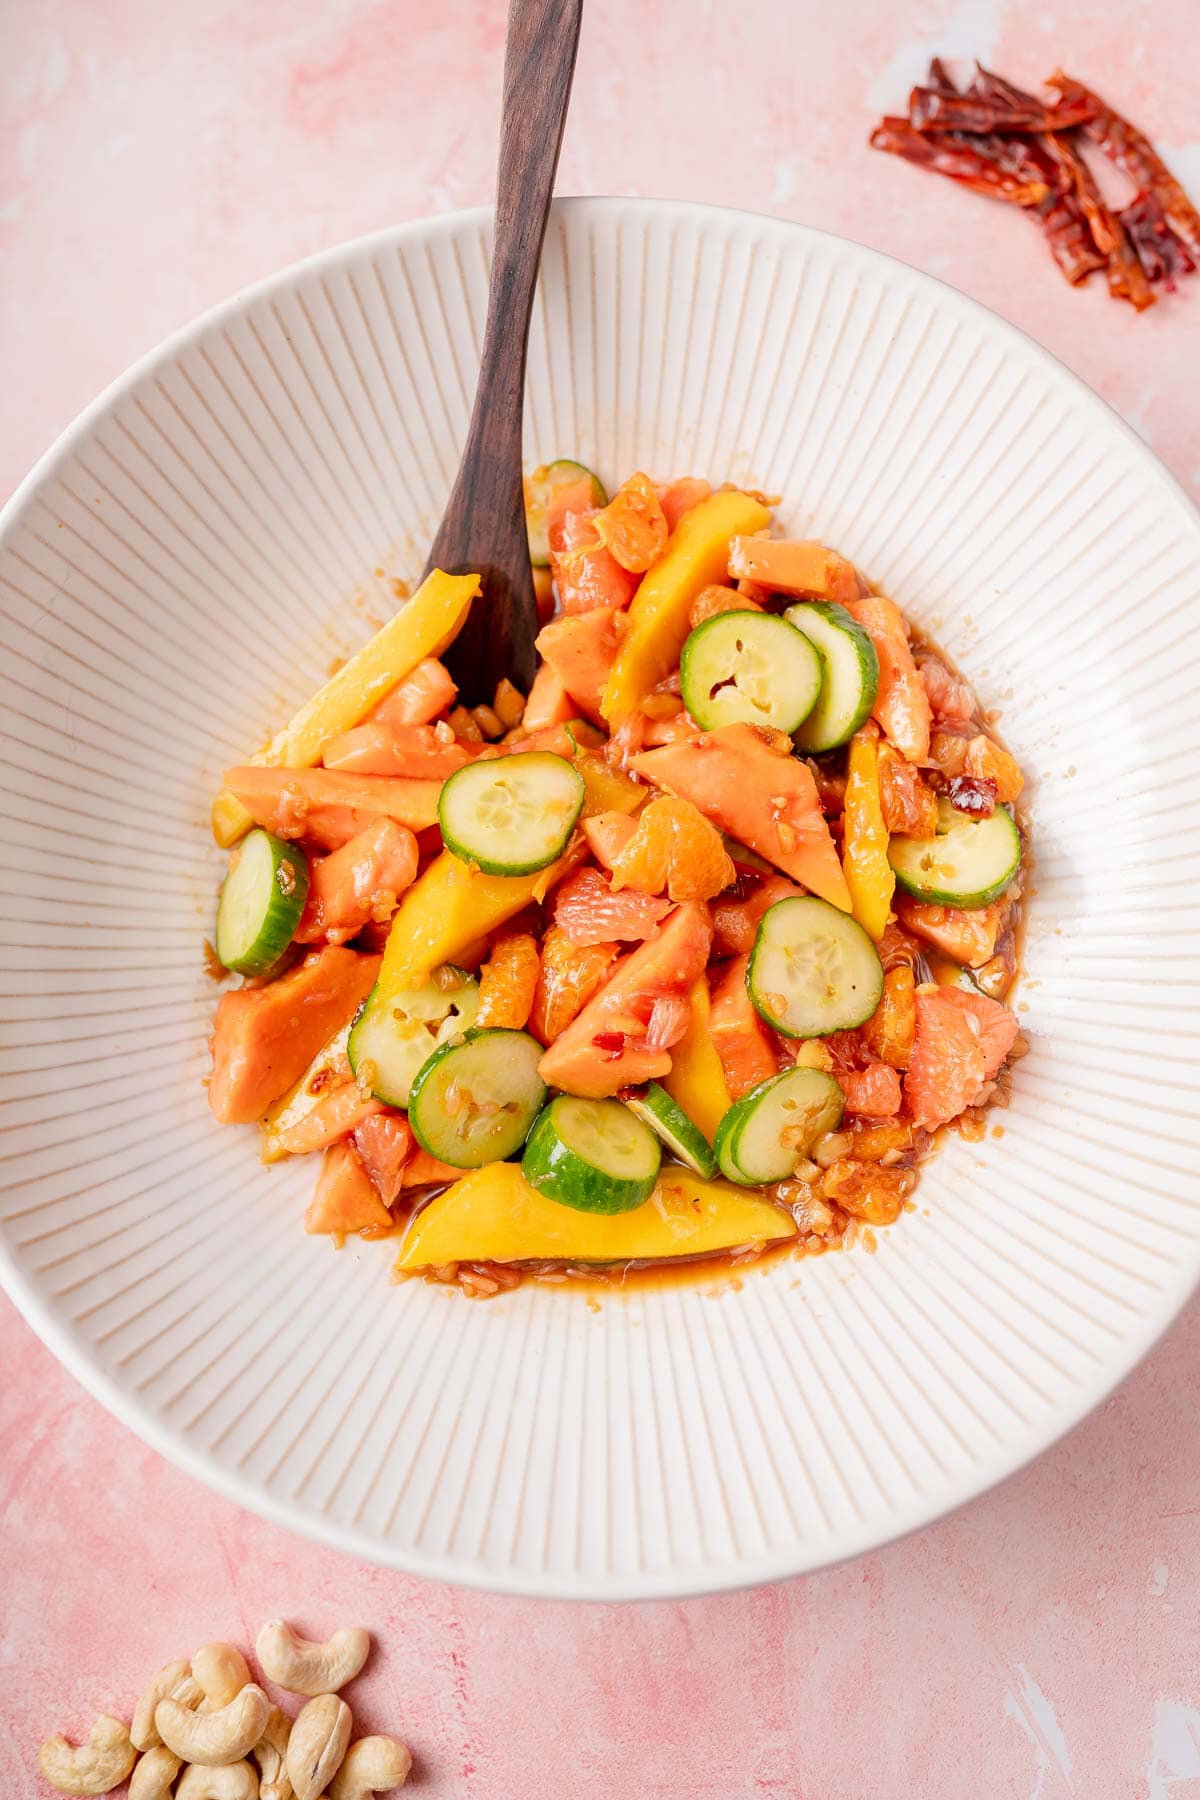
1000 140
932 109
1069 237
1078 176
940 78
1127 279
609 1043
1036 150
1159 251
1132 151
952 157
974 794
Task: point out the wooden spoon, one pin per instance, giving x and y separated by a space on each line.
483 527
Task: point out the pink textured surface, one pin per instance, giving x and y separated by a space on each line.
1042 1642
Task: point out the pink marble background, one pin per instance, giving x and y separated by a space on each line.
1043 1642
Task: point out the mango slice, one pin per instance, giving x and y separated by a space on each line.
450 908
696 1079
494 1215
423 627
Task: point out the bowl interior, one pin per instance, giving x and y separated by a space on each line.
183 569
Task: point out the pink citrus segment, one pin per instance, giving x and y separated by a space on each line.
588 910
961 1041
873 1092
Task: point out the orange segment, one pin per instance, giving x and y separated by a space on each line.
909 803
674 846
570 974
633 526
716 599
508 981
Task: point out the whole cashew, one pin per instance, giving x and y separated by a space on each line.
270 1753
317 1745
303 1667
222 1672
155 1771
95 1767
232 1781
216 1738
374 1765
176 1680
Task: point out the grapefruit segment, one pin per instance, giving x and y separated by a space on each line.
961 1041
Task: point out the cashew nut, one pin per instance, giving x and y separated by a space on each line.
232 1781
95 1767
374 1765
152 1778
222 1672
215 1738
176 1680
270 1753
317 1745
303 1667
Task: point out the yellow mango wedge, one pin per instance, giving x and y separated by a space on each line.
605 789
494 1215
696 1080
429 622
865 864
697 554
451 907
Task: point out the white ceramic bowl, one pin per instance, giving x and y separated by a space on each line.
180 570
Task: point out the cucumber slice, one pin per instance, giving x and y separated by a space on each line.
950 974
262 898
764 1134
511 815
813 969
969 863
538 488
393 1035
851 674
685 1140
749 667
473 1102
593 1155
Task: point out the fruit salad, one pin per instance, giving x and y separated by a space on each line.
688 952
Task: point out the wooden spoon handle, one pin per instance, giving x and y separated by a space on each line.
484 523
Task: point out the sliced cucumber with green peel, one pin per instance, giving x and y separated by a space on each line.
813 969
593 1155
969 863
749 667
473 1102
764 1134
668 1121
511 815
262 898
394 1034
539 486
851 674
